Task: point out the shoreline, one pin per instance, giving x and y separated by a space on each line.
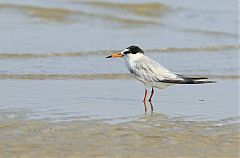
149 136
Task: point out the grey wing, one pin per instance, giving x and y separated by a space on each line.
147 70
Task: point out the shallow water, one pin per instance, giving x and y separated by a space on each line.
105 99
77 117
71 26
58 92
65 37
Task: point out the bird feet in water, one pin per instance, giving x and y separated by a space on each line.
145 106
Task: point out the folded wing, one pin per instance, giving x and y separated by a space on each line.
147 70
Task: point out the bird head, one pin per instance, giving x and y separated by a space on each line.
129 51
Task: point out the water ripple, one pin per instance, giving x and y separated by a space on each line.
213 48
89 76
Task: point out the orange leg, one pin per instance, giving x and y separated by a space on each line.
151 106
145 96
145 107
150 99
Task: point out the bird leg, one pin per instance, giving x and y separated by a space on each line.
145 107
150 99
145 96
151 106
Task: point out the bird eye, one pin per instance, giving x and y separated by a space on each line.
126 52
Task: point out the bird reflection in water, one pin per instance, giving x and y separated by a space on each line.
145 106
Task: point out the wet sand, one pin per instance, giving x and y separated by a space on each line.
150 136
66 118
154 135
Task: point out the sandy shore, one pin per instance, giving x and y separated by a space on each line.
76 118
150 136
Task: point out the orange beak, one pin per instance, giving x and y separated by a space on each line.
117 55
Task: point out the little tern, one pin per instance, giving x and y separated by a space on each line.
151 73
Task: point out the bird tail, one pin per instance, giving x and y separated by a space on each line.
186 81
194 79
199 82
189 80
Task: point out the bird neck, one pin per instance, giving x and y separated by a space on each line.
133 57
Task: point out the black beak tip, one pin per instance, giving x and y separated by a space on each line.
109 56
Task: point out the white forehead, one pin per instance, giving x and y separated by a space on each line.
125 50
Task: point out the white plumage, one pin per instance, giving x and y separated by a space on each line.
151 73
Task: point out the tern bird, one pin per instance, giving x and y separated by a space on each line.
151 73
